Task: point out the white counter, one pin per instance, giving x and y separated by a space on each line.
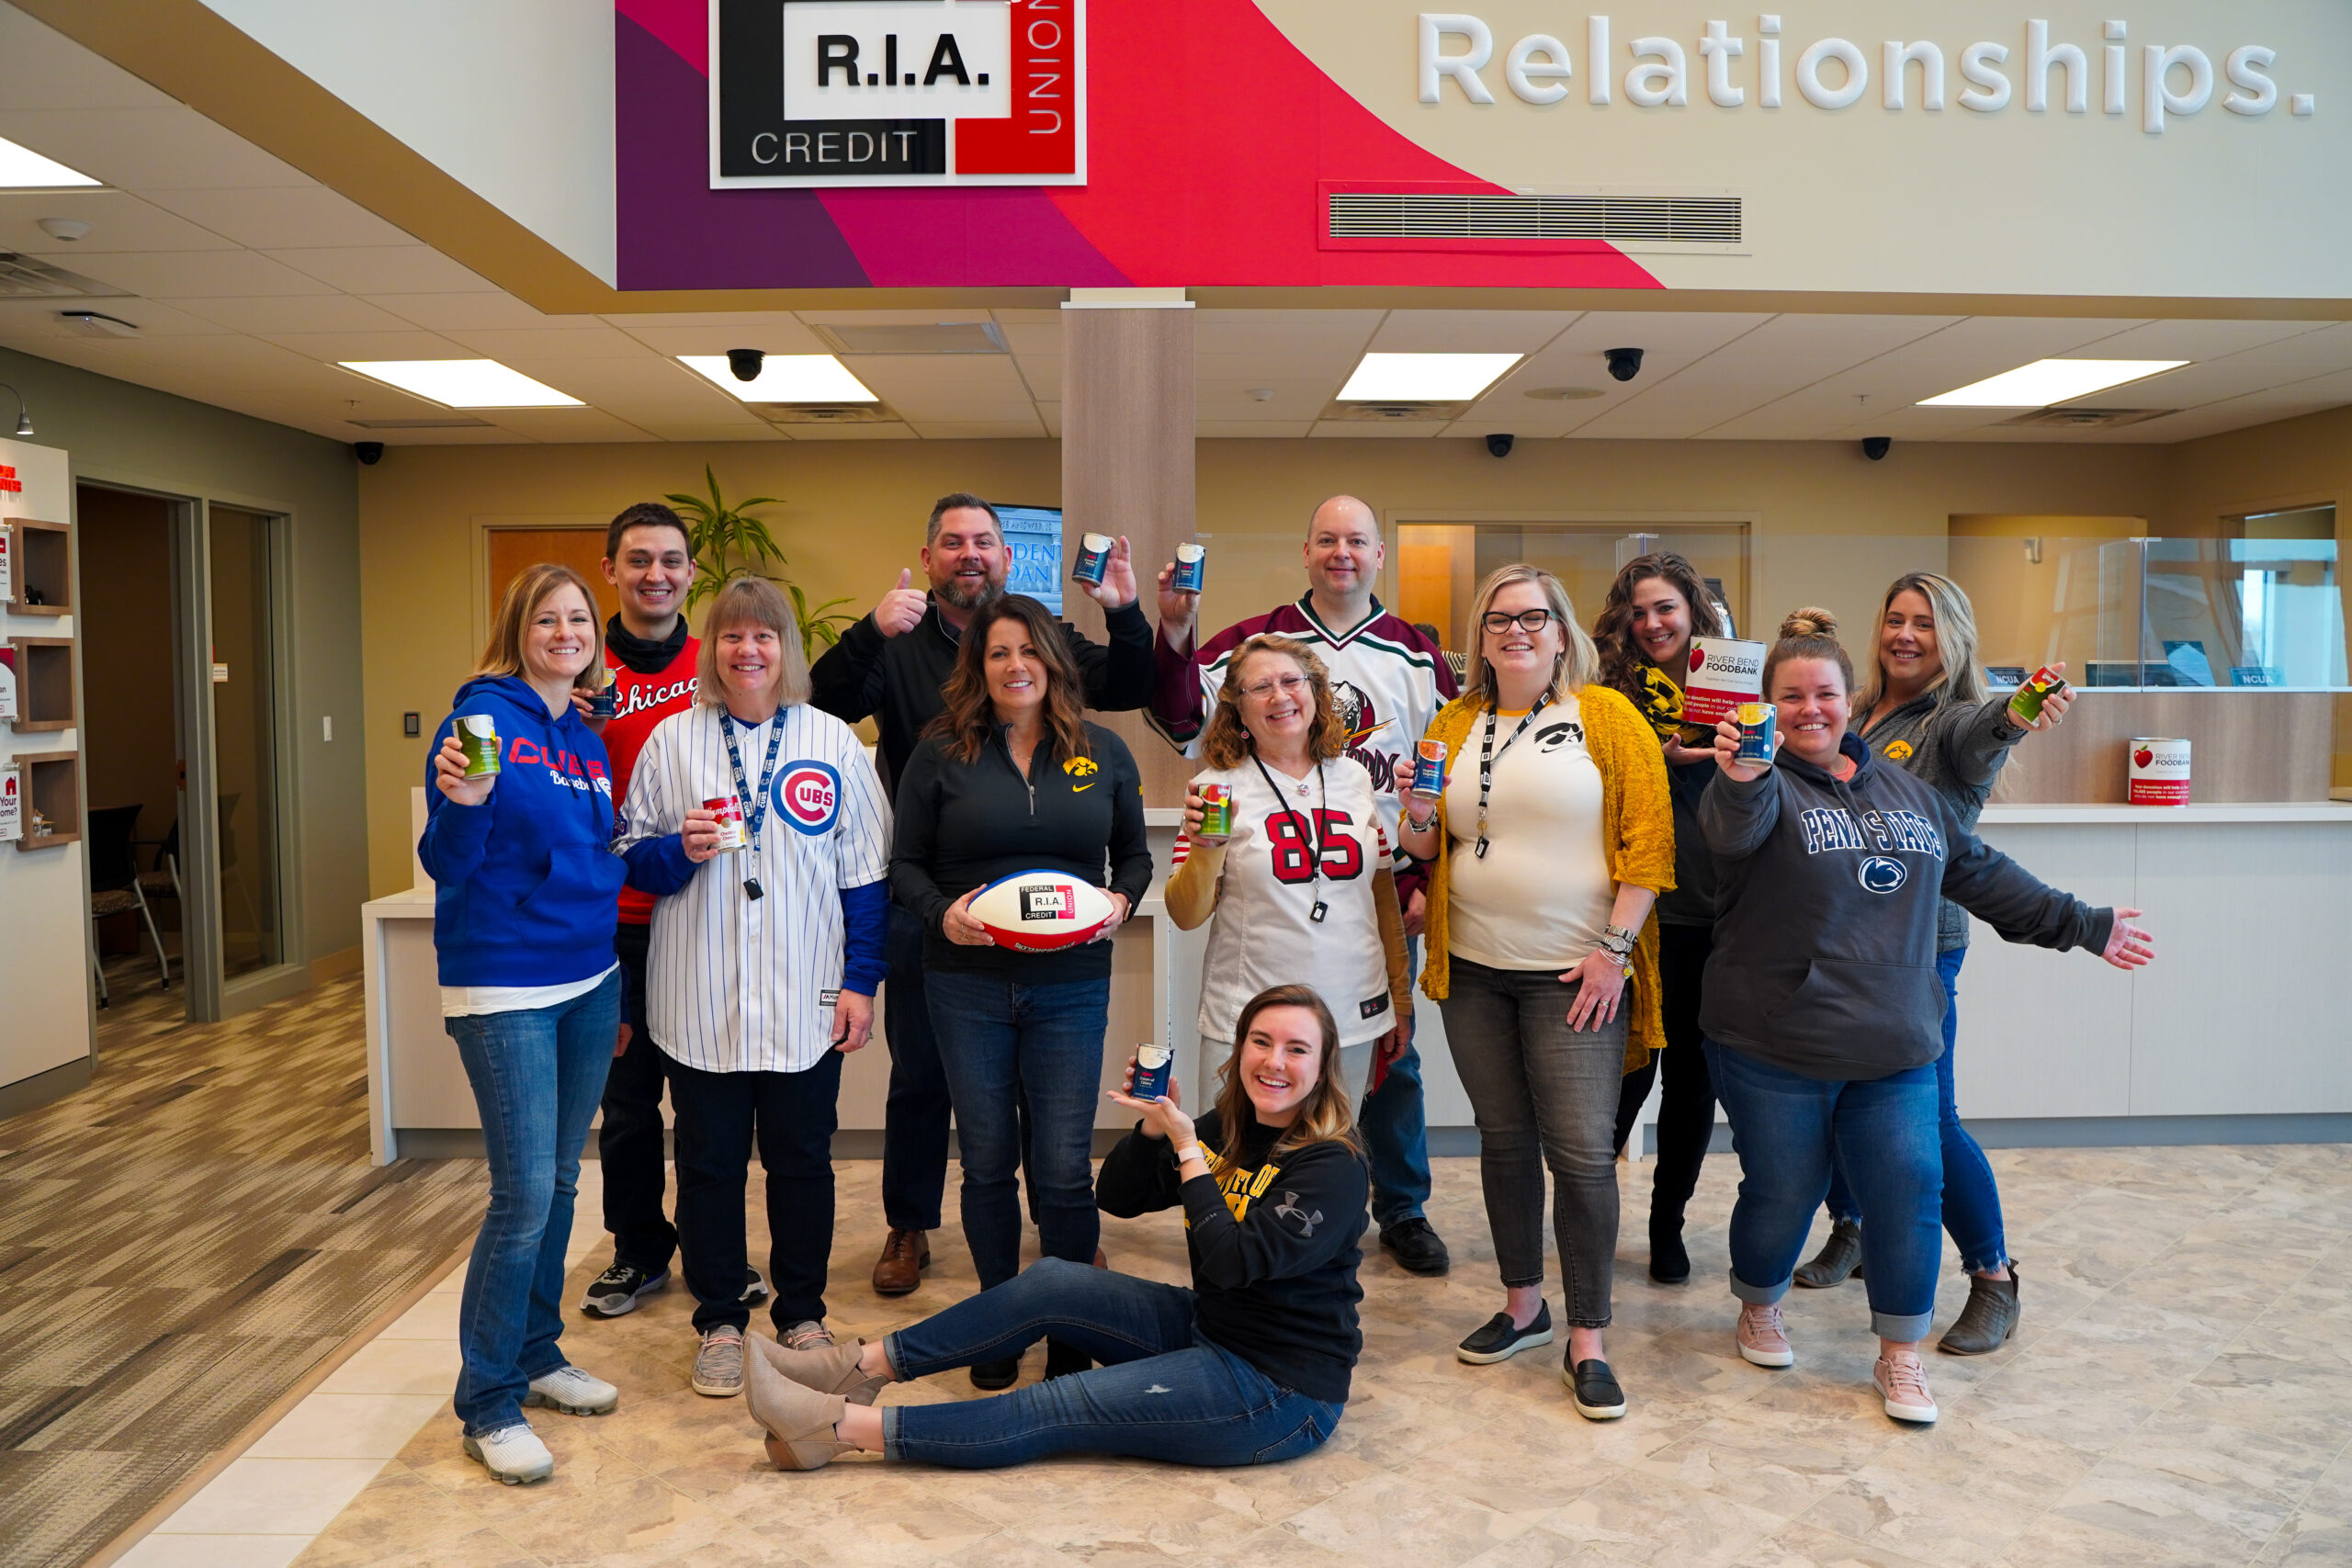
2337 811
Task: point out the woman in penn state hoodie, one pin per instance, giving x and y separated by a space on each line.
523 909
1822 1006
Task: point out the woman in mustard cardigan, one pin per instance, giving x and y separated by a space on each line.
1553 837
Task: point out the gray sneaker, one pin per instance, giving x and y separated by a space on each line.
719 1365
807 1335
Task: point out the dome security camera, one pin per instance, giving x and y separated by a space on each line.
746 362
1500 444
1875 447
368 452
1624 363
66 229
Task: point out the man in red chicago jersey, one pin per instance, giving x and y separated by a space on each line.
648 561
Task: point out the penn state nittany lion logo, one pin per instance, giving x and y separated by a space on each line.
1883 873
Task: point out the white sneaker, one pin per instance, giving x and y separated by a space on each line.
573 1392
1903 1383
513 1454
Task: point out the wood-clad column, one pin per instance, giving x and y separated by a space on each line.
1128 465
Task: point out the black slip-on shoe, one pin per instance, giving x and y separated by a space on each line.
1417 1246
1598 1396
1063 1359
991 1377
756 1288
616 1291
1498 1339
1670 1260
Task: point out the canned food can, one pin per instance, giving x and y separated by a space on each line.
1093 556
730 812
477 733
1756 723
1152 1065
1192 569
1429 767
2027 702
1217 811
605 700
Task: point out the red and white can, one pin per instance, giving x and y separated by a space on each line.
2159 771
730 812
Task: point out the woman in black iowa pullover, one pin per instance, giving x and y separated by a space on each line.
1823 1010
1250 1366
1009 778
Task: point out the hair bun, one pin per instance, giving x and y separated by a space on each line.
1809 622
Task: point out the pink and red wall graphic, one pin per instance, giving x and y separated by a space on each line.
1211 149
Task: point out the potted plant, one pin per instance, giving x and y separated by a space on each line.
726 542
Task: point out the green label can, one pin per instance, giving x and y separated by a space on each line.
477 733
2027 704
1217 811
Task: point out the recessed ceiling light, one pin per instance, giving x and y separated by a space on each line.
21 168
1424 378
2048 381
784 378
464 383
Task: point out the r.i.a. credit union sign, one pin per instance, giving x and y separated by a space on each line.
896 92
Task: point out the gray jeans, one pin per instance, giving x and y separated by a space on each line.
1542 1095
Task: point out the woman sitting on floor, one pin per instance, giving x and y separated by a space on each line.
1247 1367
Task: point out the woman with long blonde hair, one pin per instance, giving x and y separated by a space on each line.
526 898
1924 706
1552 839
1297 882
1250 1366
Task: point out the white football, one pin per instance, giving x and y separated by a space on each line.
1040 912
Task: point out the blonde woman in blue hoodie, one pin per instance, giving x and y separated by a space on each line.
525 884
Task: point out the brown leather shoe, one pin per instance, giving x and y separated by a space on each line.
905 1255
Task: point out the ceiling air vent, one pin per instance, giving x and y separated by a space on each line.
2083 418
446 422
1367 217
924 337
824 413
24 277
1395 410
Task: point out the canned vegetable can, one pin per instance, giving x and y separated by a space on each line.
1192 569
1429 767
1094 558
1756 723
1152 1065
1217 811
477 733
2027 702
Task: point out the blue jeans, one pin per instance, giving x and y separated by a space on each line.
1163 1391
914 1122
536 1077
1396 1131
1972 1198
1001 1042
1787 1129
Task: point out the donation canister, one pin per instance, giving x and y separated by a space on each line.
1724 672
2159 771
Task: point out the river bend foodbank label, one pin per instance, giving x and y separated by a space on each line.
807 796
1724 672
896 92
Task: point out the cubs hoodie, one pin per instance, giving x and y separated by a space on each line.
1825 954
525 883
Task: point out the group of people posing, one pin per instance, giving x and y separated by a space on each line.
705 892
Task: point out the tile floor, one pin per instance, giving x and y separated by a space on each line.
2180 1394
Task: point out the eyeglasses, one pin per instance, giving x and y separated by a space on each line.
1526 620
1288 686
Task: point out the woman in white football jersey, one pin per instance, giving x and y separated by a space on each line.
1300 890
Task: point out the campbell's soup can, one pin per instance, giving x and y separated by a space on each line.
2027 704
477 733
730 812
1094 558
1724 672
605 700
1192 569
1429 767
1152 1065
1217 811
1756 722
2159 771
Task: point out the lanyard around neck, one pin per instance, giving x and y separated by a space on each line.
1487 754
1313 840
755 808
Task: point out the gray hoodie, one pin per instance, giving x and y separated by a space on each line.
1825 954
1958 747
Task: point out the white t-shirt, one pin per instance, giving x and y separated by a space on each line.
1263 934
1541 897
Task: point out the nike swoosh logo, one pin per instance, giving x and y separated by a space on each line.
1081 789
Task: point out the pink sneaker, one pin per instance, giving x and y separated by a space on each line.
1903 1382
1763 1339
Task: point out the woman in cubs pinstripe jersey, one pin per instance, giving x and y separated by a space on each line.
764 961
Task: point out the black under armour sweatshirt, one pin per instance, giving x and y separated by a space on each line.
1273 1242
1825 946
898 680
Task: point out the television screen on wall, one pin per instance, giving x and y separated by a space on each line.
1033 535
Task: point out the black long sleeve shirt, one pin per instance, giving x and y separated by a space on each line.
962 825
899 679
1272 1243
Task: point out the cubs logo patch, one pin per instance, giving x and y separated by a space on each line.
807 795
1883 873
1897 751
